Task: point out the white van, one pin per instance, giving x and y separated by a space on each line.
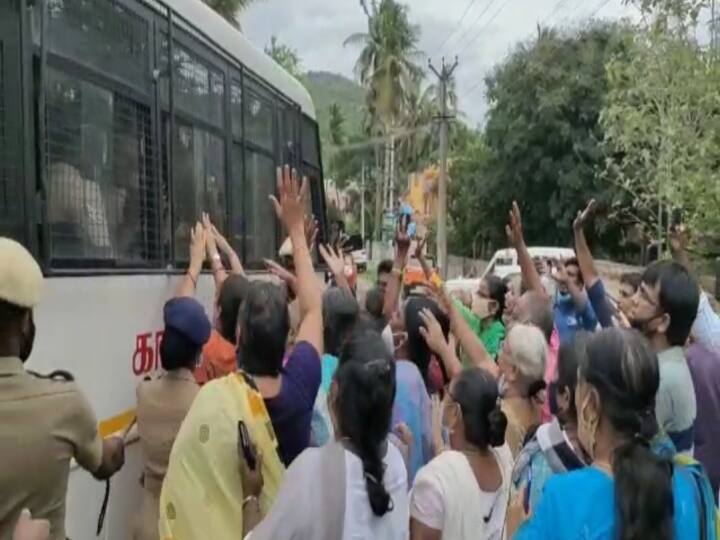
505 263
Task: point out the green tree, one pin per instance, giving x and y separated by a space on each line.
229 9
662 126
336 125
388 71
542 140
286 56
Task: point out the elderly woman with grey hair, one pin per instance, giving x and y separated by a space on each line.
521 364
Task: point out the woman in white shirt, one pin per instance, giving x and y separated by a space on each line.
355 488
462 494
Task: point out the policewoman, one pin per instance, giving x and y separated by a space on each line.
163 401
45 421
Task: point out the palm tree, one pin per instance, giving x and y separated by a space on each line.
229 9
388 70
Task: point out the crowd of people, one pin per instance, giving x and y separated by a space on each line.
535 408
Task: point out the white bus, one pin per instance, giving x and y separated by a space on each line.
109 152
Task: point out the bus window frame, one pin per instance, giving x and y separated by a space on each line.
107 81
161 20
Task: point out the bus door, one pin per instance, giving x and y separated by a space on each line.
13 140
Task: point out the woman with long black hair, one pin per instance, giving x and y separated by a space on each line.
355 487
629 492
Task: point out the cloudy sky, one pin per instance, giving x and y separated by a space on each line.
481 32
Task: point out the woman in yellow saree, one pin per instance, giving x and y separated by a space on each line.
202 495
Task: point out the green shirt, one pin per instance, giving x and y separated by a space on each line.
491 335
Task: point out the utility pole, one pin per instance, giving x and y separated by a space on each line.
444 118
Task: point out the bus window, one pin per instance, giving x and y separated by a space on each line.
310 142
236 109
237 210
103 36
259 218
99 192
259 125
198 183
12 215
288 130
199 89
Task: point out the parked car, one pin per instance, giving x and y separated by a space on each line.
504 262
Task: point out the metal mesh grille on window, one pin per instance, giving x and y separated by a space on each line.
99 158
10 195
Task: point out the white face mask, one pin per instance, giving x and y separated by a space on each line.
480 306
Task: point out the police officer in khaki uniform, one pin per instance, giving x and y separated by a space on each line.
163 402
44 421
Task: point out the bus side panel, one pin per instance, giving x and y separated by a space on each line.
105 331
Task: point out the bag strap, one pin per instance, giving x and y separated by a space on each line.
332 483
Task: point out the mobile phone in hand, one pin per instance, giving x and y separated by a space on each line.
245 445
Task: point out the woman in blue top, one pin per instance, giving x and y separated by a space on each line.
628 493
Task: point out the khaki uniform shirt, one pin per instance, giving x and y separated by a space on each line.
43 424
162 404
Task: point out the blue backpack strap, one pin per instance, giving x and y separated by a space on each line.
709 518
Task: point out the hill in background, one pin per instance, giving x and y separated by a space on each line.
328 88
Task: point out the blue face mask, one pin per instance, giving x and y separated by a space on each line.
564 297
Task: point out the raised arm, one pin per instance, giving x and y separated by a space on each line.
435 339
197 256
333 259
585 259
527 266
392 292
466 337
236 267
706 328
290 209
678 246
216 264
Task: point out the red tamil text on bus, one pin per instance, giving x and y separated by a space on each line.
146 357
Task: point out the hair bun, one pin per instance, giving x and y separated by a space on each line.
497 422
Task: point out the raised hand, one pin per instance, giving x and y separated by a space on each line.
210 239
283 274
432 332
514 228
333 258
678 238
290 203
198 240
583 215
559 273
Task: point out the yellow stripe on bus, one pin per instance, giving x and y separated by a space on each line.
116 423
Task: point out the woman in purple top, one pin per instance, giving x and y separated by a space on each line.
263 325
